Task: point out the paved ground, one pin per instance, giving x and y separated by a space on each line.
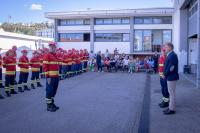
90 103
103 103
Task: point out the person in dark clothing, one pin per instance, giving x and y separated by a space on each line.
172 76
155 65
98 61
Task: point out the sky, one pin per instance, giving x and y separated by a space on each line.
27 11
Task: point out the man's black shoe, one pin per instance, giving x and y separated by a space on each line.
8 94
168 112
51 108
164 104
39 85
13 92
1 97
20 90
26 88
32 86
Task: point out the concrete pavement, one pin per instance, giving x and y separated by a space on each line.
102 103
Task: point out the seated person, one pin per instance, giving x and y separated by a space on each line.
107 64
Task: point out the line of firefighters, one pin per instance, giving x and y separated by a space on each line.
71 62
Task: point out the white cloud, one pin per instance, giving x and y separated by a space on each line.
35 7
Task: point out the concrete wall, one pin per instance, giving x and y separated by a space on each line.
76 45
153 26
192 25
123 47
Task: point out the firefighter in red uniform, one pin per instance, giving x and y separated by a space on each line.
163 81
35 68
24 71
9 63
51 70
14 48
1 82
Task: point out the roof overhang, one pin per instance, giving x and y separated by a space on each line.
109 13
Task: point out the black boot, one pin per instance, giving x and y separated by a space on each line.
20 89
1 86
8 94
51 108
32 86
54 105
39 84
164 104
1 97
13 91
26 88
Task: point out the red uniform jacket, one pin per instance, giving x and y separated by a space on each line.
161 65
9 63
0 62
23 64
35 64
51 65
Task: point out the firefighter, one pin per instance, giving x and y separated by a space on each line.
86 57
9 63
35 68
14 49
51 70
24 71
1 82
69 63
163 81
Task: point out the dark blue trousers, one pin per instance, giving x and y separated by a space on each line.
51 88
164 88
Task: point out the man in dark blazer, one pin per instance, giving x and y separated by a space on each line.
172 76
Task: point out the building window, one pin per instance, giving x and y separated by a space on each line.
99 21
147 40
125 21
126 37
138 20
153 20
138 41
110 21
157 20
63 22
148 20
151 40
72 22
74 37
79 22
116 21
167 36
112 37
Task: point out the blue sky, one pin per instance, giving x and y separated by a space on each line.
33 10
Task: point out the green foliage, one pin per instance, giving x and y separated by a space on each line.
27 29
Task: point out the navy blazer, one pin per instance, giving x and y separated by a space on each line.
171 67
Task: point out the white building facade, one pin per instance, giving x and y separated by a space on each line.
187 33
131 31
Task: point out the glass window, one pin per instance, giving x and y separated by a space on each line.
87 22
107 21
116 21
138 40
99 21
147 20
167 36
167 20
157 37
138 20
79 22
99 37
71 37
63 37
126 37
157 20
125 21
71 22
63 22
147 40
